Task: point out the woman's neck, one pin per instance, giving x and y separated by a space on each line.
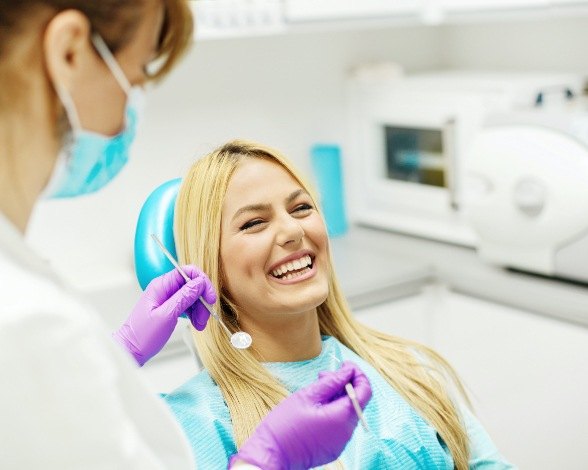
28 151
287 339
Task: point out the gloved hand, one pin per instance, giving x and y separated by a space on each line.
155 315
309 428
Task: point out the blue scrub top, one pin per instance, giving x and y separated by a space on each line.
398 437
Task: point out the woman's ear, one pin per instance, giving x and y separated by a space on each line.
66 45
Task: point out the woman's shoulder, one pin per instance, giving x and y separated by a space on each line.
333 347
197 390
199 401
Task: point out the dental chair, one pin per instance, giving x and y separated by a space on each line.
157 217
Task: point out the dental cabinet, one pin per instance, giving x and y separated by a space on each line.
518 342
525 374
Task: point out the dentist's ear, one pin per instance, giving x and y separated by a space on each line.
67 47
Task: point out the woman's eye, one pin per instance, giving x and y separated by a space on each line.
250 224
303 207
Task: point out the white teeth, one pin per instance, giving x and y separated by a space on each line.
292 266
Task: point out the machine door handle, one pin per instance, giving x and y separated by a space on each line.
530 196
567 93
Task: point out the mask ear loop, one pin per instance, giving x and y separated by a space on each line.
70 108
111 63
114 68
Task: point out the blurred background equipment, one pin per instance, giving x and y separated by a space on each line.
412 136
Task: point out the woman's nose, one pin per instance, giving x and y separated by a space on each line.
290 231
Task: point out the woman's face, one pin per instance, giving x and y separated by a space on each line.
99 98
274 246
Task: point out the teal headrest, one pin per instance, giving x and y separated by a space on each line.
156 217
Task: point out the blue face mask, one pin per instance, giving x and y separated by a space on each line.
91 160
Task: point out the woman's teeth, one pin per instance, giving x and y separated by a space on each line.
293 268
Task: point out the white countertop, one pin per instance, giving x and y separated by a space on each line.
371 270
462 270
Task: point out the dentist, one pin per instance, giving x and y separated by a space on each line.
71 73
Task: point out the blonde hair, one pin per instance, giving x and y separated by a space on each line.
250 391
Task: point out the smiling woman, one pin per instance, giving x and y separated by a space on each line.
246 216
269 223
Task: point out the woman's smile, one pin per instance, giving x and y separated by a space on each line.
295 268
274 245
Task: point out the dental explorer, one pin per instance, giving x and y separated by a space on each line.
353 397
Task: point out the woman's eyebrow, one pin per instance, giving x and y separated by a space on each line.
266 207
251 208
294 195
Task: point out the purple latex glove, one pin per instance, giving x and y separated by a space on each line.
309 428
155 315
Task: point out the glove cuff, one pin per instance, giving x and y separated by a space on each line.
262 452
129 348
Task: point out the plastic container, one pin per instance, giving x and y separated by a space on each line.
327 169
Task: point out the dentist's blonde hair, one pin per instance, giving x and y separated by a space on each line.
250 391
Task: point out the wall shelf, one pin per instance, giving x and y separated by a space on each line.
222 19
